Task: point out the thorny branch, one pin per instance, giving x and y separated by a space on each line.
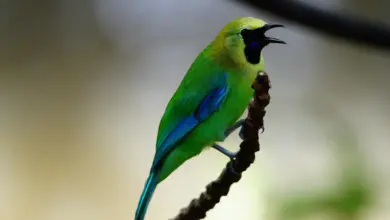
246 155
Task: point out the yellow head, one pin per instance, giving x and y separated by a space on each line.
241 42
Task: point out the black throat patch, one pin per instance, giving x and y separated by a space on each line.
254 43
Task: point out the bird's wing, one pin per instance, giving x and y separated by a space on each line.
190 105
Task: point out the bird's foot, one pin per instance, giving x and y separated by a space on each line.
241 134
232 169
231 155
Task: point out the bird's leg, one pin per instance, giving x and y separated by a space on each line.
234 127
228 131
226 152
231 155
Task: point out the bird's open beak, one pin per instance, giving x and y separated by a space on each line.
271 40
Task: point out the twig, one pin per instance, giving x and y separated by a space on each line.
246 155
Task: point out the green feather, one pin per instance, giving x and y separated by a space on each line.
202 76
223 58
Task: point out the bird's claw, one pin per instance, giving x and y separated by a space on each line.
231 155
241 134
230 165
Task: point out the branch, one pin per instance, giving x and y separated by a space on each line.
246 155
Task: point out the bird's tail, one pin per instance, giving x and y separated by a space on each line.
146 196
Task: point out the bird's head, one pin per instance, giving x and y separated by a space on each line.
244 39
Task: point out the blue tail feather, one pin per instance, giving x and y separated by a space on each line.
146 196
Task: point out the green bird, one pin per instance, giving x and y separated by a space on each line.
210 99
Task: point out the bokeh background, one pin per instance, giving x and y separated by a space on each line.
84 83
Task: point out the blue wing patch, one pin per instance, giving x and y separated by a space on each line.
210 104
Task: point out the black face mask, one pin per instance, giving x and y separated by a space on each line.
255 41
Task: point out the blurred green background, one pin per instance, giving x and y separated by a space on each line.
84 83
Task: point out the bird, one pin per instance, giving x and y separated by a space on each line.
209 101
